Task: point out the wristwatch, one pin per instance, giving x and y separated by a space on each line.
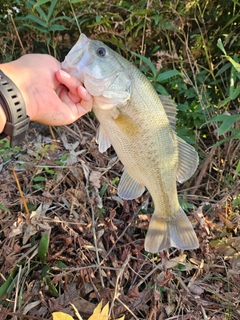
13 104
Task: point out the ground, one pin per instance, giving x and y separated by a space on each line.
96 245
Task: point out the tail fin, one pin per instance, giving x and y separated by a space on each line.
177 232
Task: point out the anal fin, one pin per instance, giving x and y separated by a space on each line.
129 188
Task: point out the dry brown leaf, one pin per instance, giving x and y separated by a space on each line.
94 178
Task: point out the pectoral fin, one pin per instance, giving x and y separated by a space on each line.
129 188
102 139
187 160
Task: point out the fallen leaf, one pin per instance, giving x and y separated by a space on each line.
61 316
100 313
94 178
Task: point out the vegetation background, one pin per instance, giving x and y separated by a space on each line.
68 238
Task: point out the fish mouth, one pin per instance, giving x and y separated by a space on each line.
76 59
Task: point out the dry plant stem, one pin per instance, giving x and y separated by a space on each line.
52 134
95 241
75 17
143 47
17 290
121 235
126 307
93 227
158 266
76 312
15 28
61 181
20 191
203 171
75 134
119 276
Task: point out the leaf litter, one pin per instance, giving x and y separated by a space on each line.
96 240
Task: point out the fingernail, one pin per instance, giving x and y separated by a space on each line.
64 74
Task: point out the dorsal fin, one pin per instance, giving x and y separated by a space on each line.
170 108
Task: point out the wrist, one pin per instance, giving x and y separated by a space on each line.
3 119
12 104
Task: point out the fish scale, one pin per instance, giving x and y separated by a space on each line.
140 126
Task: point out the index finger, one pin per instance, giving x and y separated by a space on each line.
71 82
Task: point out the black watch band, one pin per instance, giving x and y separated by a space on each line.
13 104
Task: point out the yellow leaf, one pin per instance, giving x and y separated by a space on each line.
61 316
100 313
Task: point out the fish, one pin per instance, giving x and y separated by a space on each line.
140 125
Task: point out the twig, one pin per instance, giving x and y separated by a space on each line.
75 17
119 276
203 170
121 235
15 28
76 312
20 191
126 307
86 173
158 266
17 291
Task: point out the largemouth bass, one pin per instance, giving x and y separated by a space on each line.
140 126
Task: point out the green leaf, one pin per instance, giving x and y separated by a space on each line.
61 264
2 207
235 64
223 69
167 75
234 136
103 190
220 46
235 93
238 167
43 247
160 89
147 62
5 286
60 18
39 178
35 19
40 2
51 9
227 121
50 171
57 27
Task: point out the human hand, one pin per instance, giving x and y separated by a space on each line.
52 96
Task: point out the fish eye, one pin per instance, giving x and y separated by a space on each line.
101 52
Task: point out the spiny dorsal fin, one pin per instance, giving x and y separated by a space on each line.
170 108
